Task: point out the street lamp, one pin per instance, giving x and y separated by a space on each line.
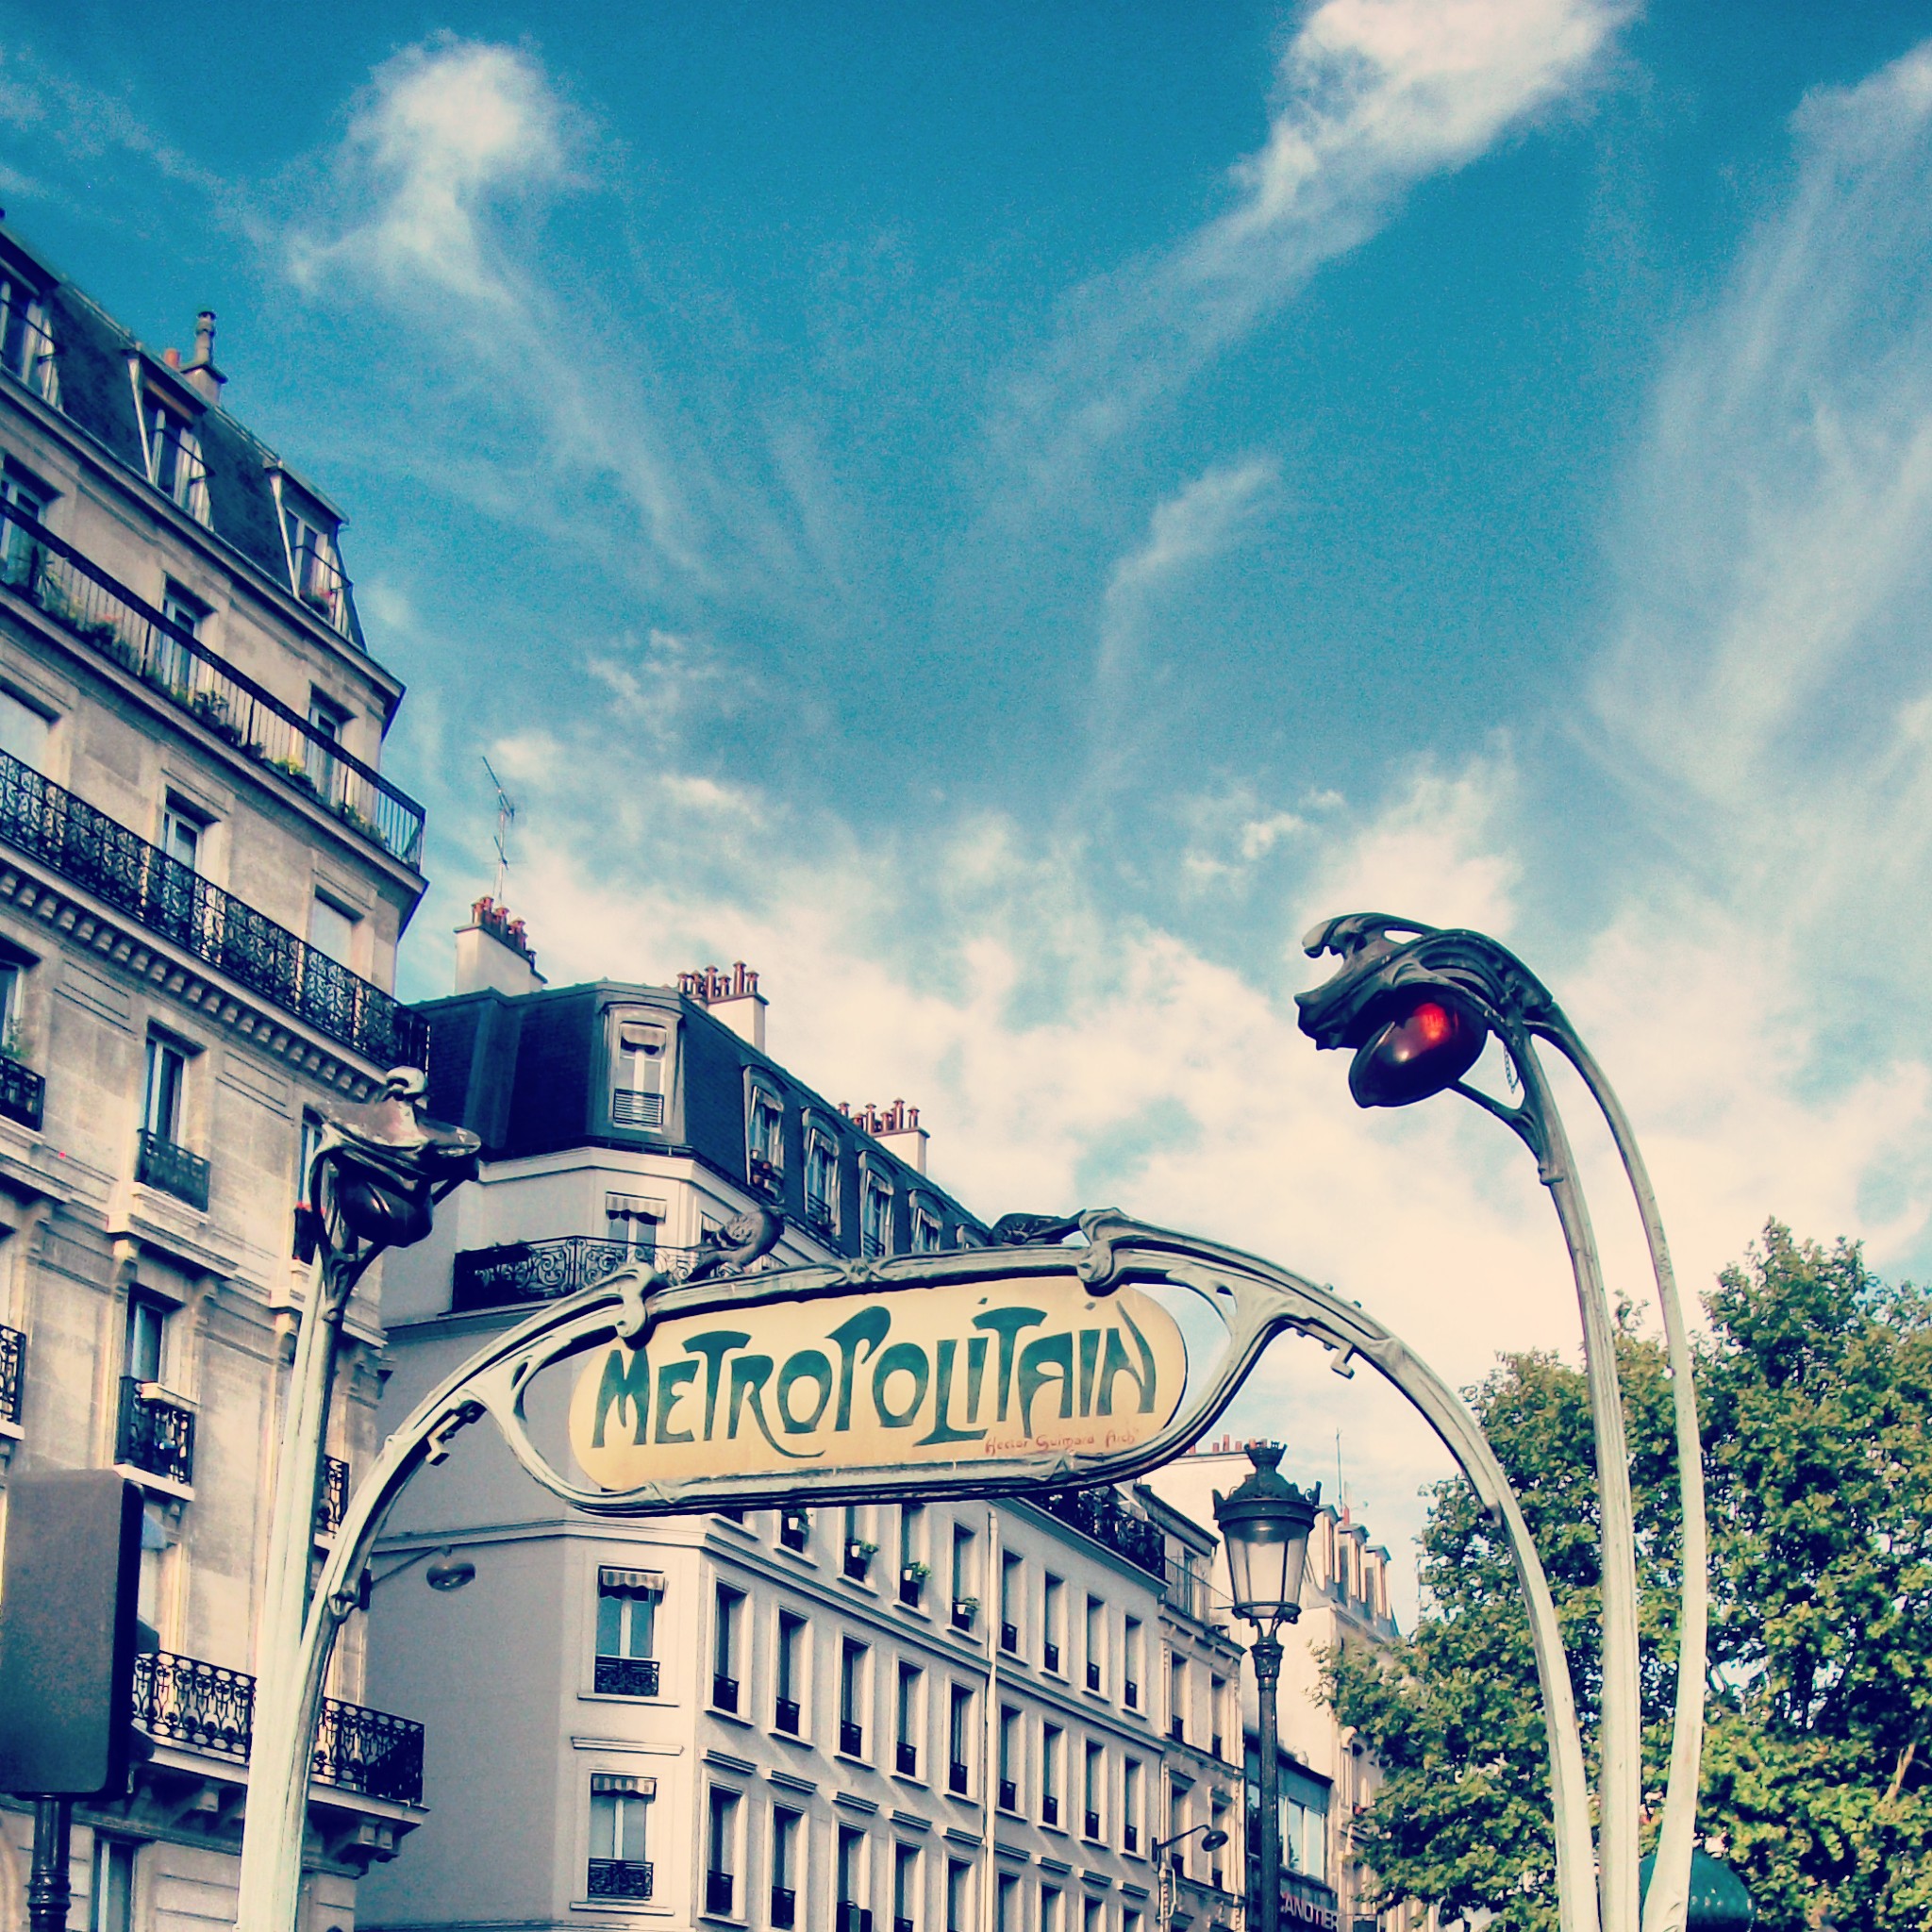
1265 1522
1212 1839
1417 1005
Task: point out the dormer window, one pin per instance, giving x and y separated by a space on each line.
875 1212
764 1139
315 569
173 457
637 1095
821 1179
927 1228
26 350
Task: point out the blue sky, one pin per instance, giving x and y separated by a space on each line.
1001 516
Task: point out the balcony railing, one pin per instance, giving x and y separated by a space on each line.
542 1271
1050 1657
965 1611
851 1738
784 1908
1009 1638
1101 1514
71 837
1130 1837
22 1092
911 1584
181 1700
1130 1694
1093 1676
785 1715
369 1751
619 1879
906 1759
12 1370
1049 1809
959 1776
853 1917
719 1888
858 1556
723 1691
159 1163
154 1433
332 1495
626 1676
794 1529
1092 1825
108 618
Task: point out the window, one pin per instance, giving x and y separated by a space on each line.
1006 1905
1132 1662
1009 1758
332 931
821 1179
1217 1697
24 731
1009 1602
147 1328
326 721
183 609
959 1741
730 1605
904 1888
11 981
1093 1917
631 1224
114 1901
785 1872
627 1657
174 459
720 1850
1177 1824
1130 1921
875 1212
850 1873
315 573
1049 1909
156 1542
620 1835
165 1087
1094 1789
637 1097
1132 1823
911 1679
1096 1643
1177 1699
926 1230
764 1139
26 350
912 1568
958 1896
965 1578
1051 1747
183 829
787 1712
851 1662
1053 1622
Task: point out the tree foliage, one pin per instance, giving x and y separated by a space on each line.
1815 1392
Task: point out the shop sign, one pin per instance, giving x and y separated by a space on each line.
950 1374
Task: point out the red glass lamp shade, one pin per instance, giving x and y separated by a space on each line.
1426 1038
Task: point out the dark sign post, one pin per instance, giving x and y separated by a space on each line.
67 1643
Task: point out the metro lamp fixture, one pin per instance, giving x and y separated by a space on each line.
1265 1522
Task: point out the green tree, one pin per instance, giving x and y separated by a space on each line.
1815 1387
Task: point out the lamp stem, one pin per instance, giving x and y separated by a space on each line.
1266 1651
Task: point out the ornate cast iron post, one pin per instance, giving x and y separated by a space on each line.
374 1183
1417 1004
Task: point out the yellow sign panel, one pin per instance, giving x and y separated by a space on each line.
942 1374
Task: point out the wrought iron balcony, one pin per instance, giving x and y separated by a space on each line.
912 1584
784 1908
1130 1837
1091 1825
546 1270
957 1776
155 1433
1130 1694
858 1558
12 1373
851 1738
902 1923
620 1878
719 1888
785 1715
181 1700
159 1163
332 1495
1010 1794
626 1676
69 837
853 1917
795 1528
1050 1656
1092 1675
906 1759
22 1092
965 1611
1101 1514
1009 1638
1049 1809
369 1751
723 1691
109 620
1177 1730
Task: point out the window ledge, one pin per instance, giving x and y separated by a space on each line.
620 1697
632 1908
730 1717
160 1485
846 1757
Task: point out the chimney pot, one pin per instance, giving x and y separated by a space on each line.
172 358
202 372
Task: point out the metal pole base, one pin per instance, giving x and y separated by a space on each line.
50 1889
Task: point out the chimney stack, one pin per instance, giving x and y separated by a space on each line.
732 997
202 372
493 954
896 1127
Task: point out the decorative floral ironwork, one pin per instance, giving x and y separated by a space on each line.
159 1163
13 1368
546 1270
183 1701
107 617
627 1677
620 1878
332 1495
369 1751
155 1434
1101 1514
85 845
22 1092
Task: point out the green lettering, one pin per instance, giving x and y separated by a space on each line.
1115 1363
1090 1353
941 1430
1006 1323
749 1375
626 1384
714 1346
902 1358
807 1364
1046 1351
868 1328
672 1377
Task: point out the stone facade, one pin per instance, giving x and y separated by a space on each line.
203 879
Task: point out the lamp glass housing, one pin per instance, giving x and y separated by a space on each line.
1265 1522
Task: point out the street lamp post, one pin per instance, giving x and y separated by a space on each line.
1264 1523
1418 1005
1212 1839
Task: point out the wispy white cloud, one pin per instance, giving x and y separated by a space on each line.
1371 96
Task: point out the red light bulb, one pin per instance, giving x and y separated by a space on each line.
1427 1042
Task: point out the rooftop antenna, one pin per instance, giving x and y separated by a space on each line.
506 818
1341 1488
